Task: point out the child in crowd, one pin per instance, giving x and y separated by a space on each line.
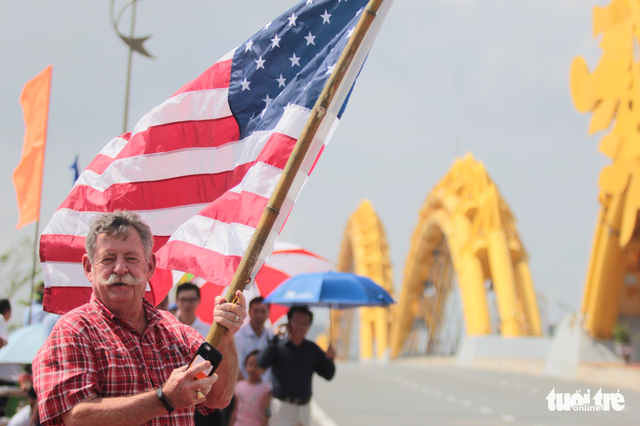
253 396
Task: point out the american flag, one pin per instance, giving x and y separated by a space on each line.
200 167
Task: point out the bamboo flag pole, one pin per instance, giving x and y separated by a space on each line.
242 276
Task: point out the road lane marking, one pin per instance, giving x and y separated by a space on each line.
320 416
466 403
486 410
437 394
425 389
450 398
508 418
534 389
415 386
517 386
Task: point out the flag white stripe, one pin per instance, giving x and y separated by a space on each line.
64 274
190 106
261 179
228 239
192 161
113 148
67 275
173 164
162 221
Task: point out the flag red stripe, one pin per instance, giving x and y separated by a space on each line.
185 190
204 263
277 151
61 300
245 208
70 248
195 189
172 136
218 76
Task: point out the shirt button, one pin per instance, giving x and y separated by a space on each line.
150 367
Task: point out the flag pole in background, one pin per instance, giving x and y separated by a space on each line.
27 177
242 276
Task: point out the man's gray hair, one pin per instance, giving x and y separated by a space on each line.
119 224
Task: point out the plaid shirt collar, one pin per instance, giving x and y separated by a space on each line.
153 315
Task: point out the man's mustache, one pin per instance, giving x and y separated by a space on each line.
114 278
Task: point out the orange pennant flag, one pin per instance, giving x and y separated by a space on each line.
27 177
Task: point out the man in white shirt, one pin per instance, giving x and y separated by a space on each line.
28 415
5 316
253 335
188 300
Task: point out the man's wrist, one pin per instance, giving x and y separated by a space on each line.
163 399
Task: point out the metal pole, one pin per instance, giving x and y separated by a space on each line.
33 273
126 96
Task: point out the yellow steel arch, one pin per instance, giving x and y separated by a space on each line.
612 94
364 251
466 211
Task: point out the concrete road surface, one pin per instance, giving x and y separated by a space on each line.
385 395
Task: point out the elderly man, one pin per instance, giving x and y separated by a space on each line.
119 361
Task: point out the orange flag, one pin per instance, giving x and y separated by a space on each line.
27 177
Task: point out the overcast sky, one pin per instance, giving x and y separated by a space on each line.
444 77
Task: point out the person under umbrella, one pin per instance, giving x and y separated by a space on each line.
294 360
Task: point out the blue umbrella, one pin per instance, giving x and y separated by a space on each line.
338 290
24 344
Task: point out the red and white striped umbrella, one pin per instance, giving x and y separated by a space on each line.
287 260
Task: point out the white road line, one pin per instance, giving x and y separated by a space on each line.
466 403
320 416
450 398
508 418
397 380
415 386
503 383
437 394
517 386
425 389
534 389
486 410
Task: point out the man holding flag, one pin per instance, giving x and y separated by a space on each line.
118 360
203 169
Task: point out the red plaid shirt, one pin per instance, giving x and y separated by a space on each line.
93 352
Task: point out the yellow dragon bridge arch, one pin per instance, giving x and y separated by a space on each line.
364 251
466 229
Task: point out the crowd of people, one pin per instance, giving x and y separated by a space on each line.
120 360
275 370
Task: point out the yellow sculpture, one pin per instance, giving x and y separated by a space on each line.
612 94
365 252
466 216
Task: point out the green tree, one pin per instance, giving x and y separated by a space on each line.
16 268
